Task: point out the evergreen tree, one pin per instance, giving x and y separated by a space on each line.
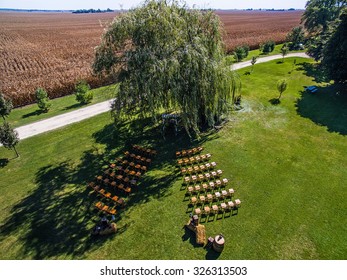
5 106
9 137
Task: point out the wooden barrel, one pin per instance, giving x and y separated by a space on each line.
218 243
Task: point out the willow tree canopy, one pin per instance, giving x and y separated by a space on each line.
167 56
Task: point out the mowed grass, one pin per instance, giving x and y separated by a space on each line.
258 53
285 166
31 113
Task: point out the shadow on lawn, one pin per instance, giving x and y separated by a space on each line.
313 70
326 107
35 113
55 219
3 162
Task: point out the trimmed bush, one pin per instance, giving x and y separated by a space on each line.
42 100
241 52
268 47
83 93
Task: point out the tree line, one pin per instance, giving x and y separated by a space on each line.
92 11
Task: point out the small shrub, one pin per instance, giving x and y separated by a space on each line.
83 93
42 100
268 47
5 106
246 49
241 52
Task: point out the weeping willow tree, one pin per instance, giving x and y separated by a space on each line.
169 57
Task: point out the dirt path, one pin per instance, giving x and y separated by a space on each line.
36 128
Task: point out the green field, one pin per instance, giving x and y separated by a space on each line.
286 163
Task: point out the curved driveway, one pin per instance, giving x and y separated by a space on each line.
49 124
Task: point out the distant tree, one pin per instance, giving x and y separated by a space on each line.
268 46
281 87
335 52
253 61
5 106
42 100
9 137
284 51
83 93
241 52
296 37
246 48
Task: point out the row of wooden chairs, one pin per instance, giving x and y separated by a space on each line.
195 169
120 170
127 180
190 152
215 208
202 199
109 195
202 177
105 208
130 165
145 151
137 158
193 160
208 185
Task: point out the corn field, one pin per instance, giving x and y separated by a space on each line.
55 50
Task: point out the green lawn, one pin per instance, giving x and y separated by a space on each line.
31 113
285 161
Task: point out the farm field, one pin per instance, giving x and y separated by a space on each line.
286 163
55 50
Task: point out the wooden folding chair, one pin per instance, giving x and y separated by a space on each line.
197 211
98 205
190 190
197 188
102 191
112 211
215 209
205 187
237 203
202 167
207 210
107 195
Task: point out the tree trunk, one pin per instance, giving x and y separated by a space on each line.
14 148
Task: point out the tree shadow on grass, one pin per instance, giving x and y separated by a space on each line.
4 162
32 114
53 220
75 106
313 70
327 107
275 101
